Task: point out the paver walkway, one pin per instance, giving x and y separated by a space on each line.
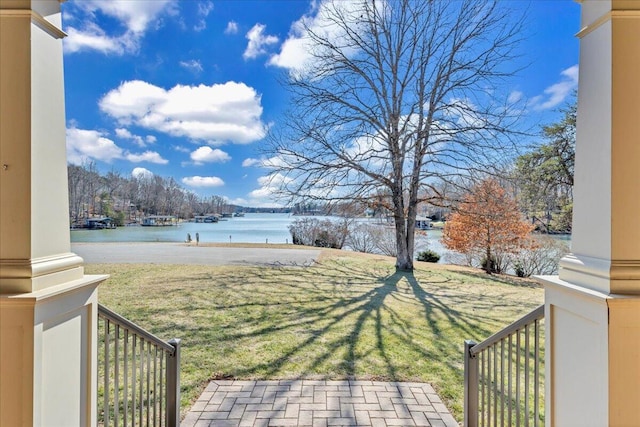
318 403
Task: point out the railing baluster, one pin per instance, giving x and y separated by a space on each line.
106 374
501 383
526 375
518 379
141 392
155 386
485 388
510 369
495 385
133 379
116 377
536 374
126 377
162 359
148 382
488 408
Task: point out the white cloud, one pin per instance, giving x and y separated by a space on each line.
208 155
219 113
93 38
269 185
150 139
204 9
258 41
181 149
141 173
192 65
232 28
135 18
123 133
202 181
147 156
240 201
555 94
250 162
83 145
515 97
296 52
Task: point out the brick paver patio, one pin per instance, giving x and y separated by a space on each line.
318 403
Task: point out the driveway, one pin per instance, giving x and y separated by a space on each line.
179 253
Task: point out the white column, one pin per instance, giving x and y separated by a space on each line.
48 307
593 306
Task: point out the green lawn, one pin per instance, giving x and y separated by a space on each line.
349 316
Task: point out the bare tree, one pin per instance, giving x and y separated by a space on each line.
397 97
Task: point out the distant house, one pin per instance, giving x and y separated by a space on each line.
158 221
423 223
99 223
205 219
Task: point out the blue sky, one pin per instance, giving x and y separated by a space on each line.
189 88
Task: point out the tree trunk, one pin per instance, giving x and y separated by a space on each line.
404 257
488 267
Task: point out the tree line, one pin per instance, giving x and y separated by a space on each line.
127 199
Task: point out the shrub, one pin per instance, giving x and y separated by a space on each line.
542 257
428 256
363 237
313 232
386 241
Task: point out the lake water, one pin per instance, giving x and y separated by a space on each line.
252 228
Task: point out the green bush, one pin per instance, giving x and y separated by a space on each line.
490 265
519 269
428 256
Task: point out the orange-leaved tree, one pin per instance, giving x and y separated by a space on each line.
488 225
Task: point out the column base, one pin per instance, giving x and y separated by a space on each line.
48 350
592 357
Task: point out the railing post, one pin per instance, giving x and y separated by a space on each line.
470 386
173 386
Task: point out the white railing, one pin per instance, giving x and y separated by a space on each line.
138 375
504 376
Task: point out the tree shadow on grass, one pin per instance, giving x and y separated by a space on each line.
340 304
373 315
322 319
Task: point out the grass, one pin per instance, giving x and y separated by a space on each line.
349 316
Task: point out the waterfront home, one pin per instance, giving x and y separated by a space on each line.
158 221
99 223
205 219
423 223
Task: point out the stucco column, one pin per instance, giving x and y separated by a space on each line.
593 306
48 307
